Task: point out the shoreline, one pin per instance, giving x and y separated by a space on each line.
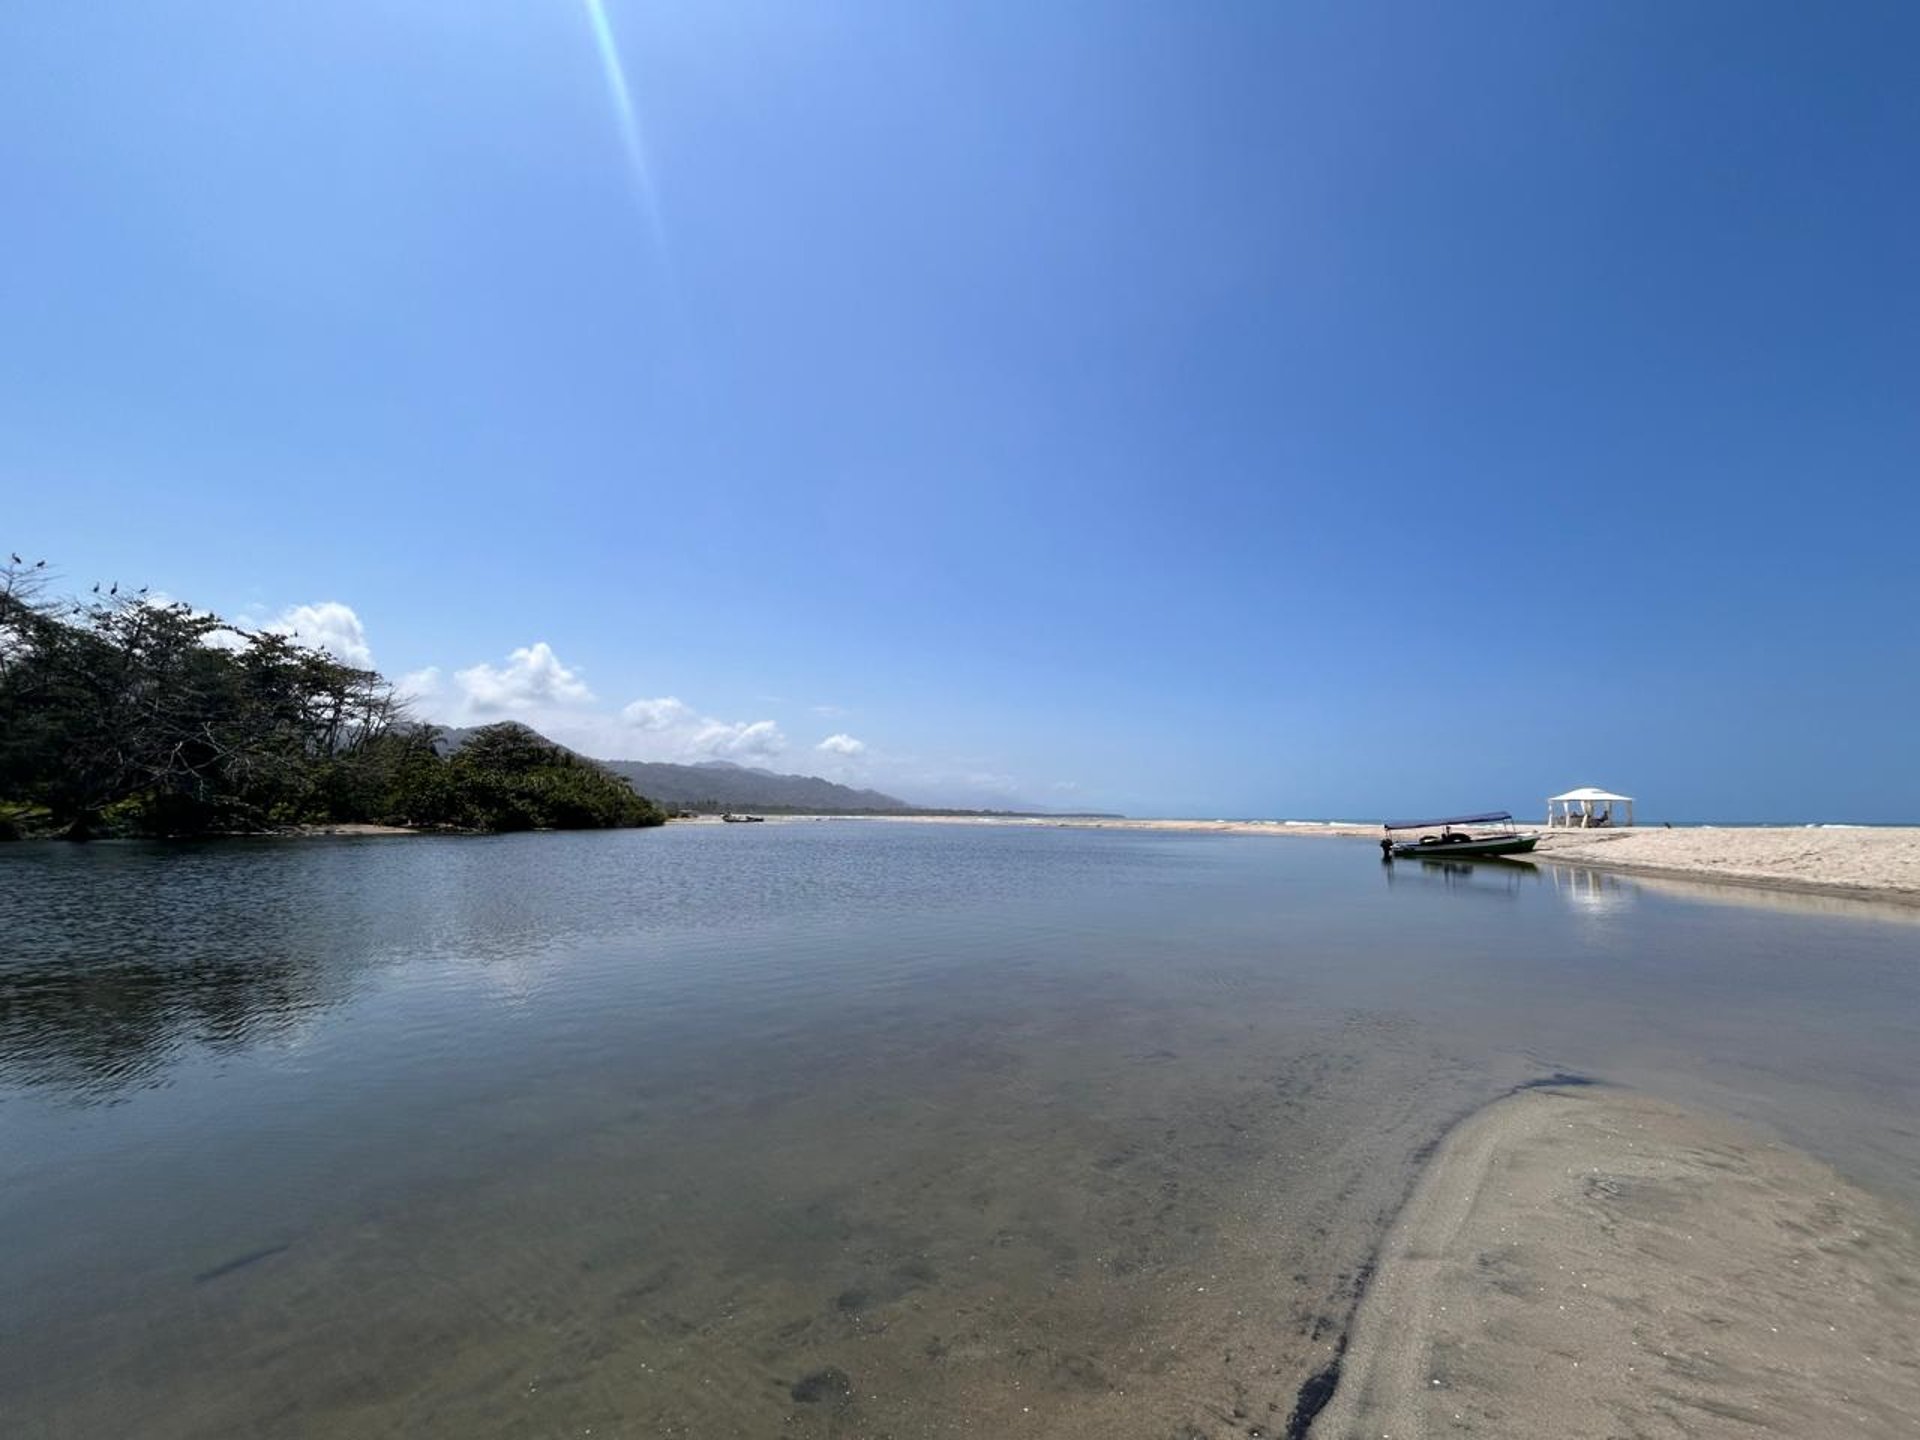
349 828
1589 1261
1880 863
1734 881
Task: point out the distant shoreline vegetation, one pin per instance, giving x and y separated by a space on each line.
123 716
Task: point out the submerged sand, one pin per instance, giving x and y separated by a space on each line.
1594 1263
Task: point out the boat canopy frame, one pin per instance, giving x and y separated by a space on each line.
1490 817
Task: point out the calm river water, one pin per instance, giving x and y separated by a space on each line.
811 1129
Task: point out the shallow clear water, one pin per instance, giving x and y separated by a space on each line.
829 1128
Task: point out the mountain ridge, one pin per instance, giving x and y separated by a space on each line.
723 784
742 787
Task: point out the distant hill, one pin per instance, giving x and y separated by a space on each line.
722 785
719 785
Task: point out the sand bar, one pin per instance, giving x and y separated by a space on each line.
1591 1262
1882 861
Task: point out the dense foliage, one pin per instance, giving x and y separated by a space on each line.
121 715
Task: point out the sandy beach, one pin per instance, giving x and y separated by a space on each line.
1591 1262
1880 861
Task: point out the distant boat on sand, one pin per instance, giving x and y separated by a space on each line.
1493 834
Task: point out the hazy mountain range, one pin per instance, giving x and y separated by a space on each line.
722 785
719 784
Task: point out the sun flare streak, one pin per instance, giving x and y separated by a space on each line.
627 118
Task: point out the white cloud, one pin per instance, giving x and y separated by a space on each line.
718 740
329 626
533 677
224 640
662 714
420 687
674 730
536 687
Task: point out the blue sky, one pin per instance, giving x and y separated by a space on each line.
1223 409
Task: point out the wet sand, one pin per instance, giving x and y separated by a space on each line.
1592 1262
1882 862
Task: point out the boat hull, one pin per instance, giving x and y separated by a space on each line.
1465 849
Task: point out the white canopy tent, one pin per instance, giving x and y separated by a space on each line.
1586 808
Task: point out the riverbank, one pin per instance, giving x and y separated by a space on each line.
1591 1262
353 828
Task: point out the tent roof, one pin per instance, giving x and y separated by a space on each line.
1588 792
1487 817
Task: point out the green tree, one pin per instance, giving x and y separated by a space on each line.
506 777
120 714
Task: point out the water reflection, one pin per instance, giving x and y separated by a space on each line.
1589 892
123 958
126 961
1785 902
1488 876
92 1036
